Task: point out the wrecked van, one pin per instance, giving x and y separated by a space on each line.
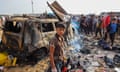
27 36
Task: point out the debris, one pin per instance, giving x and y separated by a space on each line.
100 69
95 64
117 69
3 58
116 59
1 68
109 62
85 51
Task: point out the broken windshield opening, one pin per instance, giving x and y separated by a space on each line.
46 27
13 26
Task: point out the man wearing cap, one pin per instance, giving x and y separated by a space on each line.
57 45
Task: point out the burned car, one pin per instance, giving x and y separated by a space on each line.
23 37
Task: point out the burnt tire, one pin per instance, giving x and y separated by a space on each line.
40 53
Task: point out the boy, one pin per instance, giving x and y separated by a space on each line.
57 45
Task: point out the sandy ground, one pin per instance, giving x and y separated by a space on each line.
41 66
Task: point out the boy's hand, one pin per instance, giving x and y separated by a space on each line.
54 70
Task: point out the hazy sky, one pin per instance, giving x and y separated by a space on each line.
71 6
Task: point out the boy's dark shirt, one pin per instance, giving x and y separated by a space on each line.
58 43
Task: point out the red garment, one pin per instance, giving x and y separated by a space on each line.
106 21
64 69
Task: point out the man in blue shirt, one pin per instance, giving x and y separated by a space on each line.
112 30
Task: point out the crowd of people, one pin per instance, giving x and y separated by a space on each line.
103 27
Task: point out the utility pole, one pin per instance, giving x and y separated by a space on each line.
32 6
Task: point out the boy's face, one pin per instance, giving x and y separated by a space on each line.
60 31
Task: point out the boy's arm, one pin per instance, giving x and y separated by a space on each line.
52 56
